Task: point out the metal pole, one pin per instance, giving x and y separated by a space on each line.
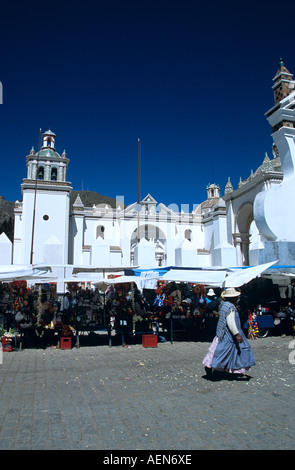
138 186
35 196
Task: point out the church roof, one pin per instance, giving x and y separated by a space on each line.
49 132
78 202
48 152
267 166
209 203
149 200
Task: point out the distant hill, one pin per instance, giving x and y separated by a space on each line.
6 217
87 197
91 197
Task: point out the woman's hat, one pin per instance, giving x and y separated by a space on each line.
230 292
210 292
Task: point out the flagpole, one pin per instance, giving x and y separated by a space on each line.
35 196
138 186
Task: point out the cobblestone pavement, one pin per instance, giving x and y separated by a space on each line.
136 398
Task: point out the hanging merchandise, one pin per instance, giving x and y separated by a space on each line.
253 329
198 294
159 300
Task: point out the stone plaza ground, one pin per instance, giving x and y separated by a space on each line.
135 398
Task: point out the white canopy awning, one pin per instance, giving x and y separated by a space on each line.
22 272
138 280
100 269
217 278
209 278
241 277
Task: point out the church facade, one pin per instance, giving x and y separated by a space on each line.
249 225
49 230
260 212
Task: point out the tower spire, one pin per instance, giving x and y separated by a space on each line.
283 82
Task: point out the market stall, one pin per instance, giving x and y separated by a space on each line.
131 315
28 313
118 306
182 308
87 311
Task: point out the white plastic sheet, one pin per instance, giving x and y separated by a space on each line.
209 278
217 278
22 272
241 277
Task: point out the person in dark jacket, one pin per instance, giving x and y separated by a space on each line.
212 302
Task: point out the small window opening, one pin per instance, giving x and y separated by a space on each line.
100 231
40 173
53 174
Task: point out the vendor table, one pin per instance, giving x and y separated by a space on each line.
194 326
151 330
43 337
89 329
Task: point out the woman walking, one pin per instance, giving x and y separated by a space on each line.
230 351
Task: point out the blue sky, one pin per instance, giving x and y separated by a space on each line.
191 79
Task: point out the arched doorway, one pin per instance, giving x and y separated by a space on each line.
151 233
241 235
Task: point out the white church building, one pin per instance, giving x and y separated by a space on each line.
249 225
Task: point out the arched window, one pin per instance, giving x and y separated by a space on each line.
53 174
100 231
40 173
188 235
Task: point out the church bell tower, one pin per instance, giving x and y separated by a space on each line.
274 205
42 219
283 83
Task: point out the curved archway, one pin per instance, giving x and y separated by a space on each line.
53 174
243 220
100 230
41 172
244 217
188 234
151 233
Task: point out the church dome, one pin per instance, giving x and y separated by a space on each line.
49 152
49 132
